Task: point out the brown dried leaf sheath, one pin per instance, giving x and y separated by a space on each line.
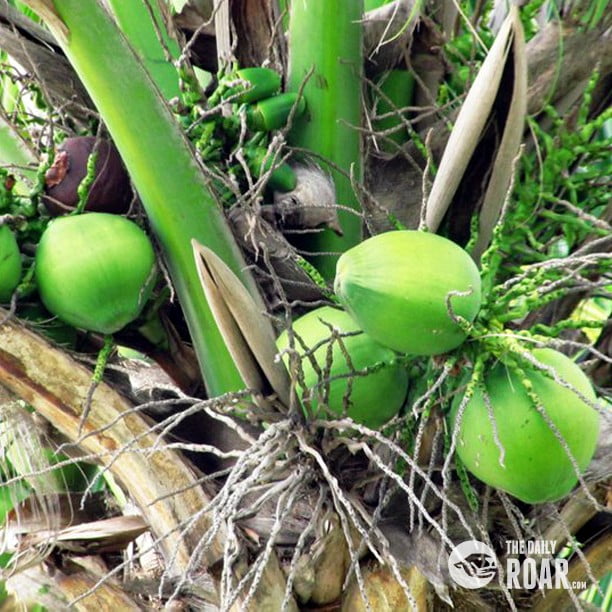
56 386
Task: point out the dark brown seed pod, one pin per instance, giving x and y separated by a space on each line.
110 190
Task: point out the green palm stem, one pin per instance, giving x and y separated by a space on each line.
136 22
370 5
326 49
395 91
161 163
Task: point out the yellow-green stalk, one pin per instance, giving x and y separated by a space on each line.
326 49
162 166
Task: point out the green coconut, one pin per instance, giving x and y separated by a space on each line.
373 399
396 286
10 264
536 467
95 271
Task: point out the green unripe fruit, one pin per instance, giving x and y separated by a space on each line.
396 285
374 398
257 83
536 466
10 264
95 271
273 113
282 177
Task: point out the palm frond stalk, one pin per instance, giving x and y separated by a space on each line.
171 185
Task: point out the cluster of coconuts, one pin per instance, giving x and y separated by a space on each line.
408 291
399 308
94 270
403 292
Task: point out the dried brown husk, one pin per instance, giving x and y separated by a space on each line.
385 593
312 204
56 385
274 255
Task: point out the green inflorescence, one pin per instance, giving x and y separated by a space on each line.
536 257
86 183
102 359
316 277
229 144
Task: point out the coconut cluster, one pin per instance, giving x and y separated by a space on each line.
528 430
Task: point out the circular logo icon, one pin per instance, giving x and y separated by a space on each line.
472 564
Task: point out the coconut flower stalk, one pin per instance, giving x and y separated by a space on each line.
330 74
163 168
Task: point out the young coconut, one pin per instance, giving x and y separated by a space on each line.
373 399
95 271
10 264
248 85
110 190
398 287
536 467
